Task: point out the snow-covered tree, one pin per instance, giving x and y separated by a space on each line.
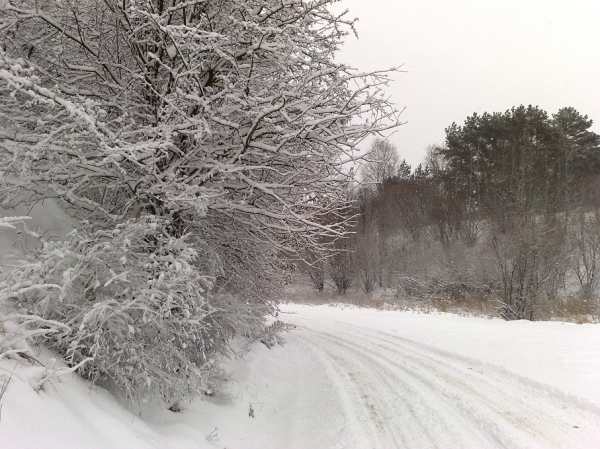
381 164
220 120
178 107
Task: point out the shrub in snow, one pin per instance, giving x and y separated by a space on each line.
18 330
271 336
135 303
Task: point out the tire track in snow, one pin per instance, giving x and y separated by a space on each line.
405 394
409 416
362 431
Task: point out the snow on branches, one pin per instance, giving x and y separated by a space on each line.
236 106
228 122
133 303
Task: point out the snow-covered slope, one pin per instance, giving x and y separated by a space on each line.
354 378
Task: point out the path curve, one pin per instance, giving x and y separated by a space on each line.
394 392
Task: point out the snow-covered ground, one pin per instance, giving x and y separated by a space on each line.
354 378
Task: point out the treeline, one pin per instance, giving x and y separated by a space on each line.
506 211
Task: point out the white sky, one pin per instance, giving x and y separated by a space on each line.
465 56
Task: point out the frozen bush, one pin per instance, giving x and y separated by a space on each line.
136 304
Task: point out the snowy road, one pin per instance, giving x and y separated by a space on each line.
386 391
353 378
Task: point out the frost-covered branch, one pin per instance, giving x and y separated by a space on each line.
216 131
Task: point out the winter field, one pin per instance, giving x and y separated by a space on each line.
353 378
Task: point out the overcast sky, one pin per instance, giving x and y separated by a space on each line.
465 56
